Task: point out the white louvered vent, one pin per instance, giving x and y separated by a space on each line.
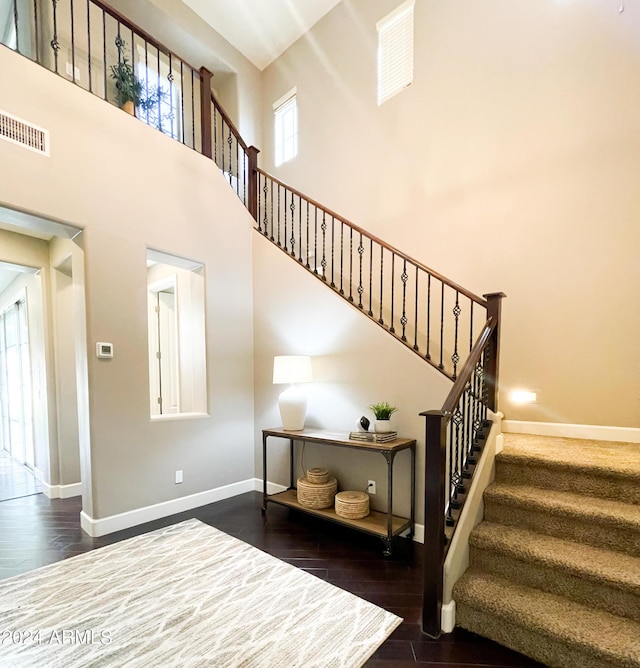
26 134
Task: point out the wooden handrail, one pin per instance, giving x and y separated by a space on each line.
228 121
467 370
463 291
143 33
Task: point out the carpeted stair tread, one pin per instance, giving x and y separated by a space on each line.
610 639
599 565
587 456
567 504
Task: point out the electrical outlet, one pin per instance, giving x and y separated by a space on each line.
178 477
371 487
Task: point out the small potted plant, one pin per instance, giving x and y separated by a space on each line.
128 86
383 412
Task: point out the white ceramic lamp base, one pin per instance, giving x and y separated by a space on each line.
293 408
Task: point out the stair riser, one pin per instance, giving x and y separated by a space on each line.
579 530
568 480
538 646
588 592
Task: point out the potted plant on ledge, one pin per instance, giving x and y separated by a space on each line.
128 86
383 412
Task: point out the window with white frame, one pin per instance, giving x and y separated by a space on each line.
395 51
285 112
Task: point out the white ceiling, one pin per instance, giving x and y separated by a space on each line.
261 29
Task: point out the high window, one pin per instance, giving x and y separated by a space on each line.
286 127
395 51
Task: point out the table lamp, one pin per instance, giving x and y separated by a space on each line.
293 401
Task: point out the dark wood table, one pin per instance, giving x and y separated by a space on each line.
384 525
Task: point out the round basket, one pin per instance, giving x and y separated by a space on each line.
352 505
316 495
317 475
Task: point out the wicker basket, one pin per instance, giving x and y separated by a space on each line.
316 495
352 505
318 475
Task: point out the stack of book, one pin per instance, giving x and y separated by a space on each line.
373 437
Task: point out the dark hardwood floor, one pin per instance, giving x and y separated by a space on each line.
35 531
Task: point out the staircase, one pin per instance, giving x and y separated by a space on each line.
555 565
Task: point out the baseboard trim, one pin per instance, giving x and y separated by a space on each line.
61 491
586 431
448 616
131 518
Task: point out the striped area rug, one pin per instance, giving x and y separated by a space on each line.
187 595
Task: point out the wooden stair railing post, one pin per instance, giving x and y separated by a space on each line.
205 111
494 306
252 185
434 518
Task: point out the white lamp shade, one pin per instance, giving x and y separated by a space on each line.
291 369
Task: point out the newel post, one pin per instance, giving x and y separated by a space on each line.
494 306
205 111
252 200
434 519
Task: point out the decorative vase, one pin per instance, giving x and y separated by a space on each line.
129 107
382 426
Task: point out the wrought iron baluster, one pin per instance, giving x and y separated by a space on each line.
215 136
230 141
428 353
292 207
244 177
73 41
193 111
351 264
381 319
271 203
37 29
415 331
146 79
299 228
333 245
279 244
360 288
441 365
16 24
104 52
88 42
324 243
315 240
370 278
451 484
158 107
307 265
341 258
237 143
455 358
471 305
171 113
404 277
182 100
55 45
392 329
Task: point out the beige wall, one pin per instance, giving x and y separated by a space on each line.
510 164
130 188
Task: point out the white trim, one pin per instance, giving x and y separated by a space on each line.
167 417
586 431
131 518
61 491
448 616
284 99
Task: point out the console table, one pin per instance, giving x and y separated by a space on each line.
384 525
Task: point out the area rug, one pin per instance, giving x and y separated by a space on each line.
187 595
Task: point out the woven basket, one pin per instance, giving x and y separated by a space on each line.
318 475
352 505
316 495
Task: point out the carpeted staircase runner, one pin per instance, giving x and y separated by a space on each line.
555 565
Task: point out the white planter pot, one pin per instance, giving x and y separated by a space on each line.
382 426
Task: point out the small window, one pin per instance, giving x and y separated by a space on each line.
395 51
286 127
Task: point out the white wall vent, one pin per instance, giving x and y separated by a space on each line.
26 134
